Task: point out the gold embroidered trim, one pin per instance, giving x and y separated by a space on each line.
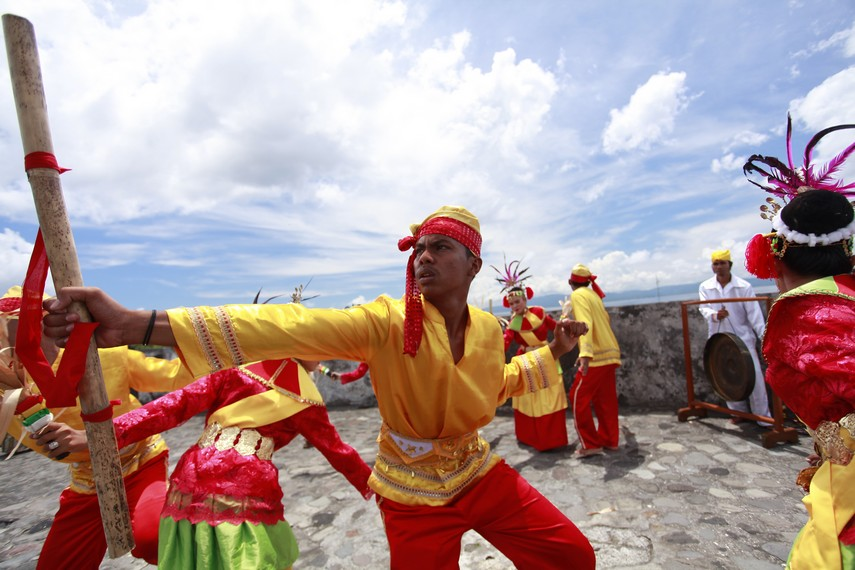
246 441
432 494
428 452
203 336
270 384
526 369
227 329
541 367
830 441
531 360
215 503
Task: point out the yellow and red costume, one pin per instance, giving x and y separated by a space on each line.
597 389
810 349
539 417
430 451
224 505
76 537
434 475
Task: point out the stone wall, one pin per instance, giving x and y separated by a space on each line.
653 374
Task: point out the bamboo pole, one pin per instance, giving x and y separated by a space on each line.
31 106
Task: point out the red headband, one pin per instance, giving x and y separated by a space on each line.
414 312
585 280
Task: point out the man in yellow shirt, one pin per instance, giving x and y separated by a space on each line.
438 371
599 356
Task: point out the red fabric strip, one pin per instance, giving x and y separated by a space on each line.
60 389
102 415
42 160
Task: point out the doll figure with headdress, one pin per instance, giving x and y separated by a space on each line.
540 419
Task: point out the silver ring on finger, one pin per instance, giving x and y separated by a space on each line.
53 445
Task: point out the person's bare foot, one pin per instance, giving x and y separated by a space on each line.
581 452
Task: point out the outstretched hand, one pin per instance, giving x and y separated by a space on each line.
118 326
566 336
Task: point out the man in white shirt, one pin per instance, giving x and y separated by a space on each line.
745 320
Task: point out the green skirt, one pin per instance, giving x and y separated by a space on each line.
183 545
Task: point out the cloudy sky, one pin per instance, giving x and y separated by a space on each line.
217 150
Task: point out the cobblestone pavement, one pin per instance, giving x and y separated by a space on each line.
699 494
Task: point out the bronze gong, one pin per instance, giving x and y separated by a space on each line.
729 366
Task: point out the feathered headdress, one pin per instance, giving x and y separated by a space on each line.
511 279
786 181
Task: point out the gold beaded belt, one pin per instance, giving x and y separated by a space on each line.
411 450
834 440
245 441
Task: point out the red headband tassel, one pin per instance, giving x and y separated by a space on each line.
592 279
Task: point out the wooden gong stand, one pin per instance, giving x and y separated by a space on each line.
697 408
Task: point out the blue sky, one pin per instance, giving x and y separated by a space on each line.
216 150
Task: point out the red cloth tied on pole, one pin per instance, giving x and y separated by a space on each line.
60 389
42 160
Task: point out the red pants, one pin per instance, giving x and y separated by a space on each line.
596 389
543 433
76 537
503 508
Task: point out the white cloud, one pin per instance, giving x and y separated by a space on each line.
821 108
649 116
727 162
748 139
849 42
14 259
845 39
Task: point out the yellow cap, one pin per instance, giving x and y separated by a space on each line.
721 255
580 270
458 213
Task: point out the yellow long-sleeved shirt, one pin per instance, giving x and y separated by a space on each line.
599 344
429 449
122 369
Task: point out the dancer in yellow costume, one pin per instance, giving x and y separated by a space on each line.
539 417
599 358
76 537
438 371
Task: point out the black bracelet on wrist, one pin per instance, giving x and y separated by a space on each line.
150 328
